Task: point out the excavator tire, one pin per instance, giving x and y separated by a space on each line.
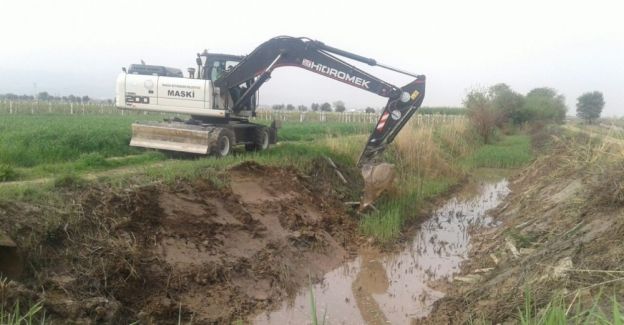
261 140
223 143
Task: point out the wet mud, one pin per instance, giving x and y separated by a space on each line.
394 288
191 251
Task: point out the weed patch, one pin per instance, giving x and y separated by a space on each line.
7 173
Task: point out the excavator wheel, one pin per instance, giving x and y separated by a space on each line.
222 146
261 140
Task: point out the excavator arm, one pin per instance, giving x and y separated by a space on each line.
255 69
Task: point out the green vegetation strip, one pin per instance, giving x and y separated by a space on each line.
37 146
511 152
386 224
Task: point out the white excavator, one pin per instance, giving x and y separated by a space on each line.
220 95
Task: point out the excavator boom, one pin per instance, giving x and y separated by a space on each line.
319 58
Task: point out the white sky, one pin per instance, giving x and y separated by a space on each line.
79 46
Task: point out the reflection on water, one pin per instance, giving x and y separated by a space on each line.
379 288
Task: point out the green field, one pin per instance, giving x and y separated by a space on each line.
40 145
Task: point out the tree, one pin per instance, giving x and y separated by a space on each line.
589 106
339 106
315 107
482 115
85 99
43 96
302 108
369 110
290 107
544 104
277 107
508 103
326 107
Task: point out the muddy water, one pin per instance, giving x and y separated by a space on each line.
378 288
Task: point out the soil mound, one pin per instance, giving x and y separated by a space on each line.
193 250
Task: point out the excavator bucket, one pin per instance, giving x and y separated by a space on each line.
172 136
378 177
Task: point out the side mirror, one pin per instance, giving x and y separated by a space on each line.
124 69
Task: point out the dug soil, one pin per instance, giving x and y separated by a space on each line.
559 242
192 250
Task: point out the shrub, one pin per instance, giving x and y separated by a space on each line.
483 116
544 104
7 173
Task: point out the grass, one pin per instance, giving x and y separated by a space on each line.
386 224
558 312
425 169
16 316
310 131
7 173
89 162
512 151
429 160
36 146
28 141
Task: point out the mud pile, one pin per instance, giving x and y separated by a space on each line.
153 253
560 238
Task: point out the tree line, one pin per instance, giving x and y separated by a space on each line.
45 96
499 105
337 106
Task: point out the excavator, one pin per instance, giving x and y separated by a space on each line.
221 97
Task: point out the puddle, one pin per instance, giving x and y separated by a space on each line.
378 288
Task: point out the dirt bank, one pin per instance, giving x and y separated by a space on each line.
560 237
213 254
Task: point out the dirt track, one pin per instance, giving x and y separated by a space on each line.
152 253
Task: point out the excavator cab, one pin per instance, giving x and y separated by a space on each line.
214 65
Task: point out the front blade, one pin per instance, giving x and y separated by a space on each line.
171 136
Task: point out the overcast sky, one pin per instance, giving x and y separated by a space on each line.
79 47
